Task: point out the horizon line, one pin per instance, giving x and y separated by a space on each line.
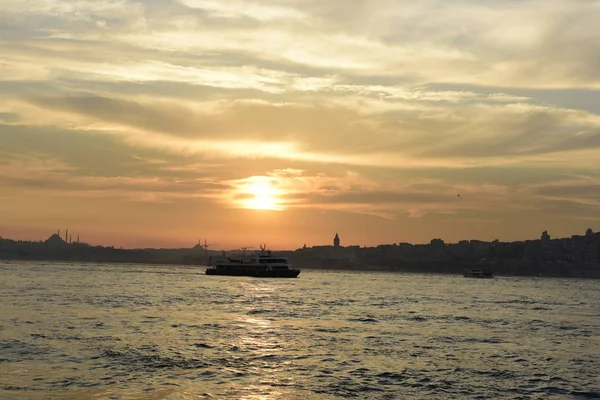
301 247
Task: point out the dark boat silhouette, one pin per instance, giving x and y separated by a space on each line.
262 264
478 273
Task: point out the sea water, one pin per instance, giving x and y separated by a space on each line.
98 331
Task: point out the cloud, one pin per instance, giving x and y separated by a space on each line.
357 193
416 197
236 8
187 99
457 135
543 44
40 173
518 130
579 190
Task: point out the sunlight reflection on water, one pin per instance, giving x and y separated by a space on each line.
102 331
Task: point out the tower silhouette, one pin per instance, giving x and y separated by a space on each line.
336 240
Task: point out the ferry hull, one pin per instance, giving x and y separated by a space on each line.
257 273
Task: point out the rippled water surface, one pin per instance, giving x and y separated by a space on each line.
79 331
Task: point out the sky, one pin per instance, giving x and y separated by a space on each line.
158 123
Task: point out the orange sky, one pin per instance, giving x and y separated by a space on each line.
159 123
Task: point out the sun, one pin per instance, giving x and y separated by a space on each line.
261 196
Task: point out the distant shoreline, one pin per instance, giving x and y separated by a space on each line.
367 269
574 257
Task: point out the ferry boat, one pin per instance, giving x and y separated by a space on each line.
478 273
262 264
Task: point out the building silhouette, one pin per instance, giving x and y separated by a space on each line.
336 241
545 238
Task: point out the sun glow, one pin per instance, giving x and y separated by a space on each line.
261 195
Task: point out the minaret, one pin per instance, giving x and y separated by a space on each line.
336 240
67 236
77 238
